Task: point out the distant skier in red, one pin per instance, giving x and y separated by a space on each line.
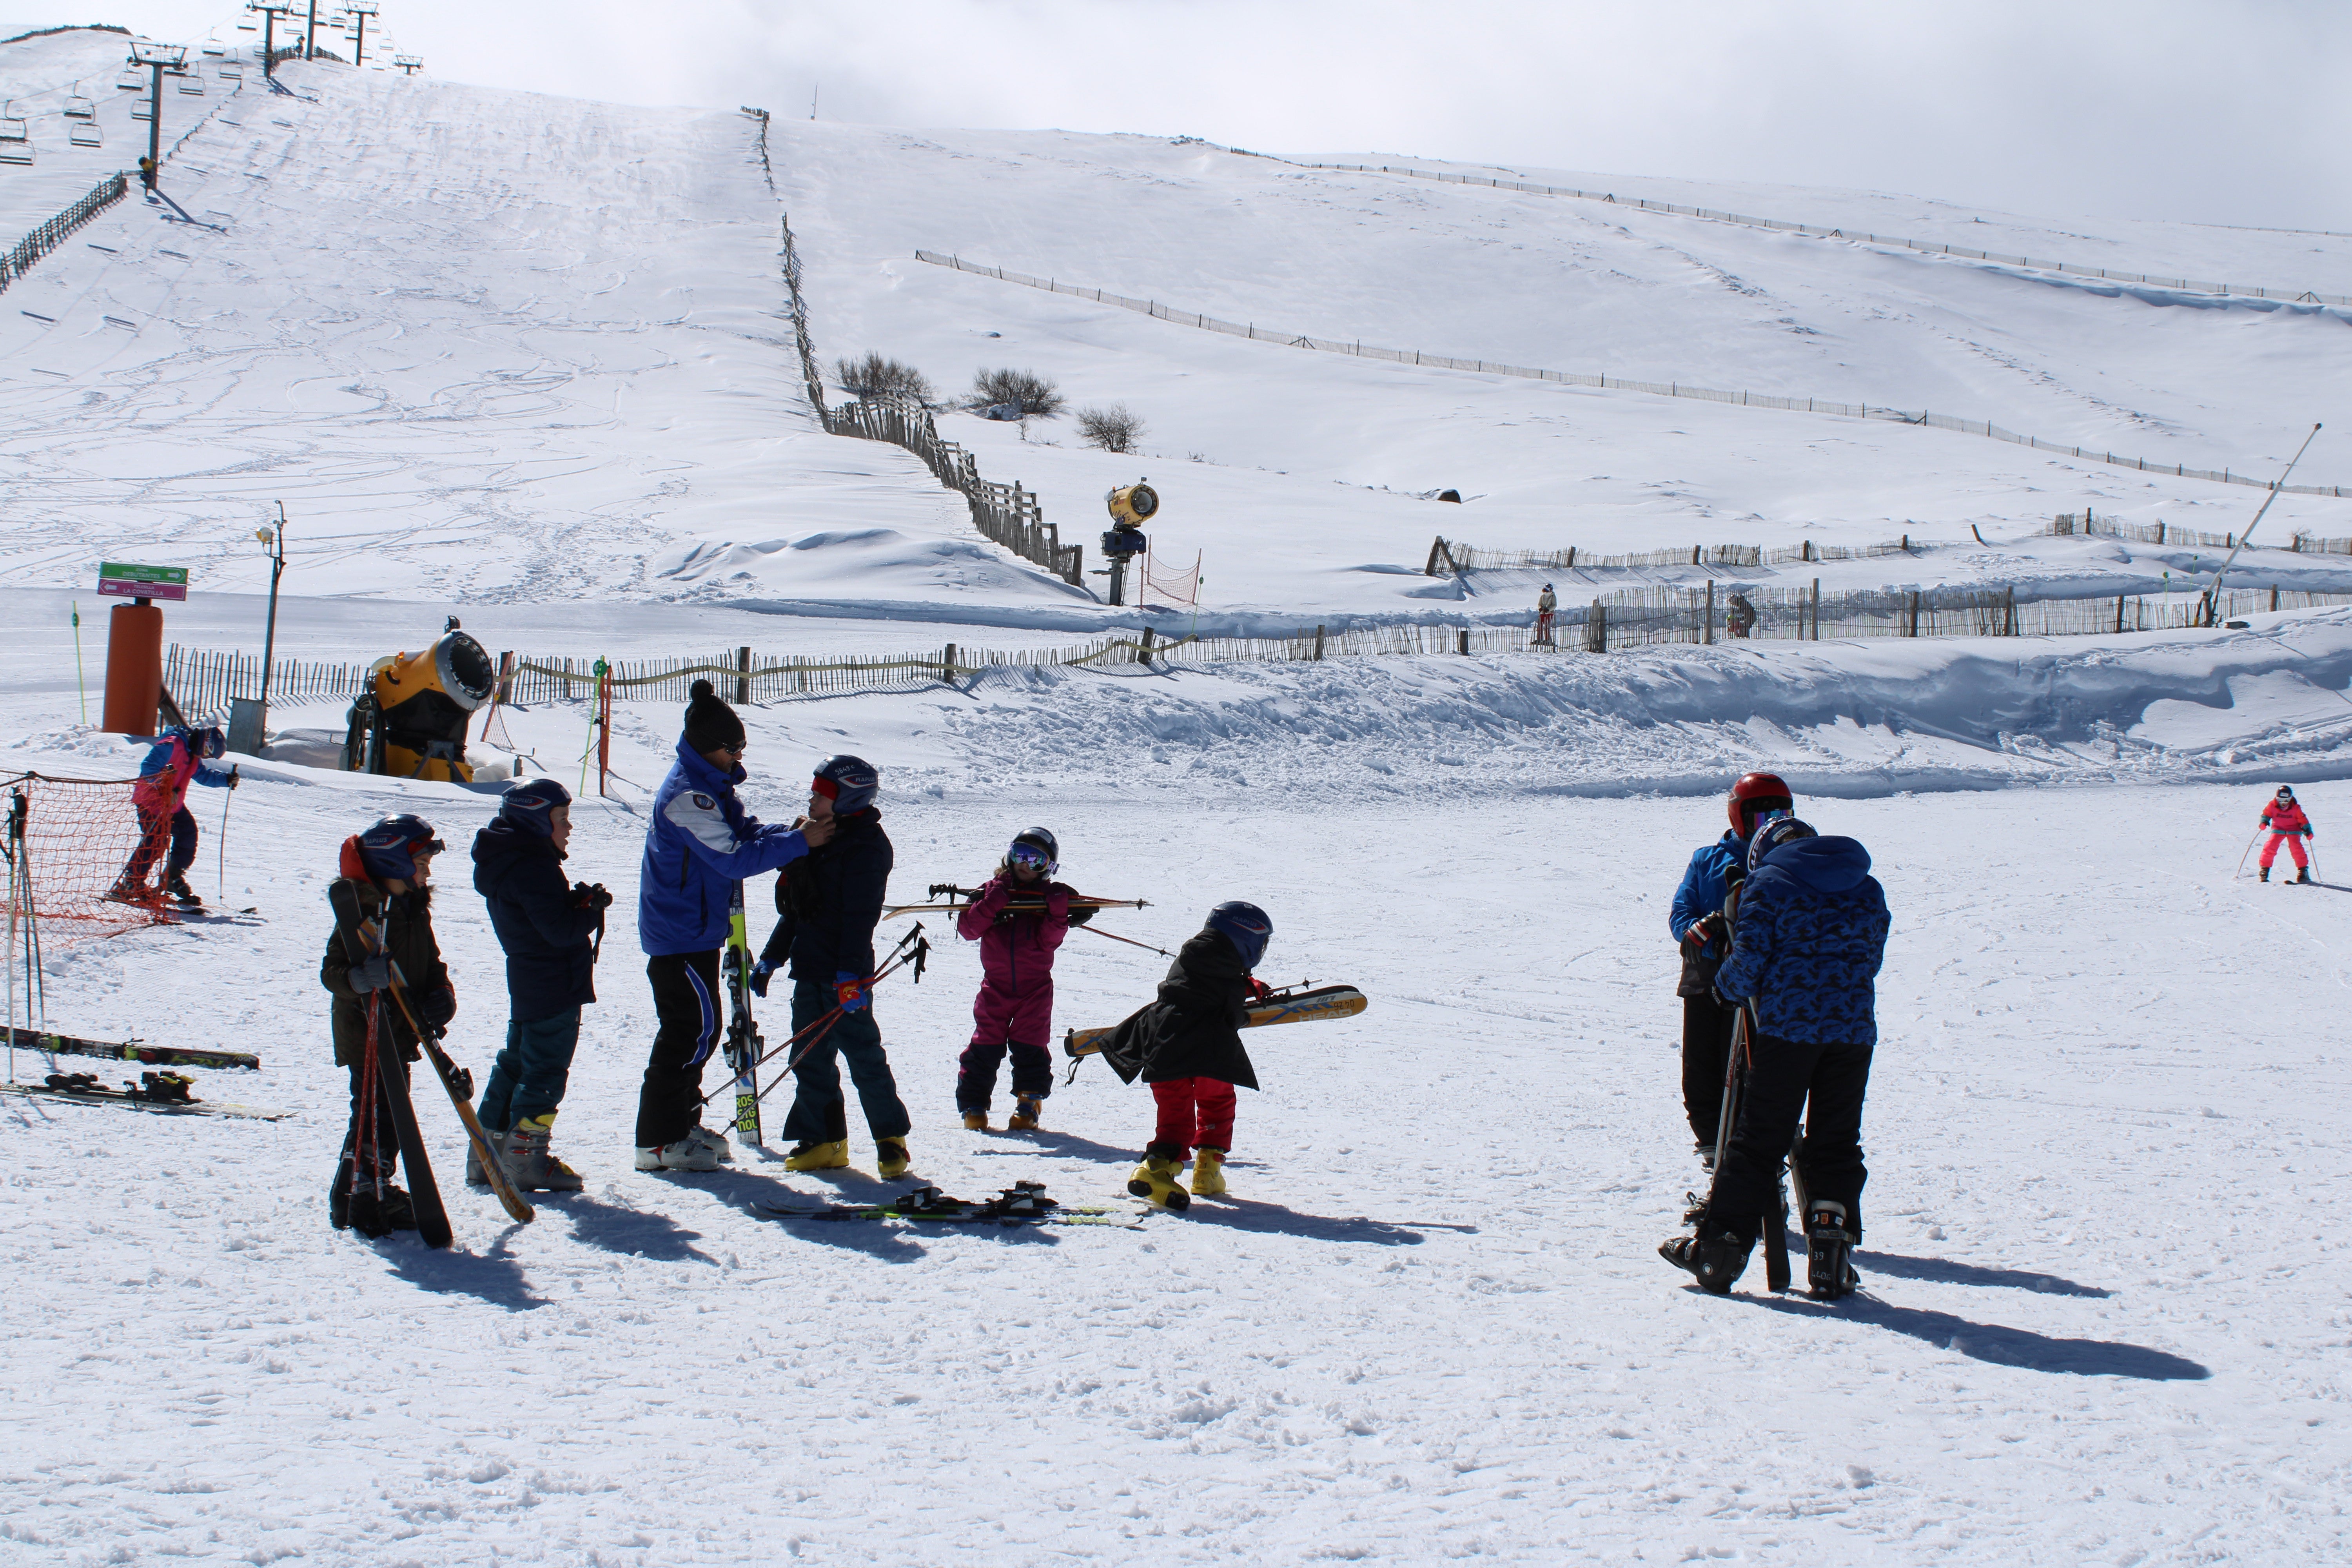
2289 826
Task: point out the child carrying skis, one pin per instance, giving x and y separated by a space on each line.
1187 1046
1015 1009
2290 827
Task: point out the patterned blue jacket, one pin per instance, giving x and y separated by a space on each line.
1811 936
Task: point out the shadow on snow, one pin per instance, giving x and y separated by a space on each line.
1943 1271
629 1231
2003 1346
1273 1219
494 1277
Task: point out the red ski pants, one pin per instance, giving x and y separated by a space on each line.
2293 842
1194 1113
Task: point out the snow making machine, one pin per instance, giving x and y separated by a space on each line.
411 720
1132 506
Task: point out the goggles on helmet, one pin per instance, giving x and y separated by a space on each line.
1032 857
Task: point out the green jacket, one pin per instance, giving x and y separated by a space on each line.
407 928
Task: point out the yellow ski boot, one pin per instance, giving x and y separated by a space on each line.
1026 1107
1156 1178
976 1121
833 1156
890 1159
1209 1173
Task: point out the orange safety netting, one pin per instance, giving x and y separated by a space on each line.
71 844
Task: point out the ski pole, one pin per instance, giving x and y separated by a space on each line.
827 1022
81 682
2250 849
220 844
1129 941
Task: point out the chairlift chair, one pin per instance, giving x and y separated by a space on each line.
142 108
16 152
212 49
84 135
132 81
193 86
80 107
232 71
12 126
247 27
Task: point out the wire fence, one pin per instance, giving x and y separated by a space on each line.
20 261
1925 248
1452 558
1362 350
2168 534
203 681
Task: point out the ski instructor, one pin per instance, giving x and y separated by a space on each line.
698 845
1696 920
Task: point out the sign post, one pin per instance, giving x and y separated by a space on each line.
134 642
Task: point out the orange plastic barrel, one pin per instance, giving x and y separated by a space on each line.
134 669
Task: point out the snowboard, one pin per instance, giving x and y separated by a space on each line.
1298 1005
1023 1203
132 1050
164 1094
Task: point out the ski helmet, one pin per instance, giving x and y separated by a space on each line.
1754 795
391 848
1773 835
850 782
532 807
1245 926
2287 795
1044 851
207 742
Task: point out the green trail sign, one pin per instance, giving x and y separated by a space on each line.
120 579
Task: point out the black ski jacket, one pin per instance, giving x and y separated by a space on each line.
406 920
1194 1028
550 967
830 900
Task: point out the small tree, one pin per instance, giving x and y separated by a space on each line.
1115 429
1024 389
874 376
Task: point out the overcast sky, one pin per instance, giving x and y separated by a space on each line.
2211 112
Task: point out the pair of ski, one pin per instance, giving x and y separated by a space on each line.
1022 1202
1829 1273
167 1093
132 1050
363 939
1300 1003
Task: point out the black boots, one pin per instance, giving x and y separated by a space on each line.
1715 1257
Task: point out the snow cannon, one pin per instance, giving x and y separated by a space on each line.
410 722
1130 509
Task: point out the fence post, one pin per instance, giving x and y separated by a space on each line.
1809 551
947 666
1571 557
1817 606
1144 654
506 678
1596 631
2160 531
2273 595
1915 612
743 675
2010 610
1464 643
1711 612
2120 612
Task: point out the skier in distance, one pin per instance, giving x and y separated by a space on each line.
700 842
827 907
2288 826
1015 1009
1546 606
175 760
1696 919
1811 936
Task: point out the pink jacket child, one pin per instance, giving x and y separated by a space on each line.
175 761
1019 920
2289 826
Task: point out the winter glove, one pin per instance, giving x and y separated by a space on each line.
1058 904
760 975
436 1007
1258 989
372 974
1729 1004
854 993
591 896
1705 931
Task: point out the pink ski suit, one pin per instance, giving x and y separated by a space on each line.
1015 1004
2288 826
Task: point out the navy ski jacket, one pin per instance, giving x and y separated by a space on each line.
1811 935
551 969
831 903
699 844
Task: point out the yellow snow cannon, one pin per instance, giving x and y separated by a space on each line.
410 722
1130 508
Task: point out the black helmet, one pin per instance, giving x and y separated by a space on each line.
1044 840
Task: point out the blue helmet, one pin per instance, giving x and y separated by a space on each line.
531 807
1779 830
207 741
850 782
1245 926
390 848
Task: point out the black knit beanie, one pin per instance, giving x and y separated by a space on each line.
709 722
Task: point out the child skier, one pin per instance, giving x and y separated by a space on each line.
547 928
1187 1046
829 904
1015 1009
387 868
2290 827
1696 919
175 760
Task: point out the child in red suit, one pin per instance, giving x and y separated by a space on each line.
1015 1009
2289 826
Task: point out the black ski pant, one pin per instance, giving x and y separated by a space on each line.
1786 1074
1706 1045
688 1014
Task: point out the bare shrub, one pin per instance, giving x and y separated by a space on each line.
1025 389
874 376
1114 429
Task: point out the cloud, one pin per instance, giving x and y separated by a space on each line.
2159 109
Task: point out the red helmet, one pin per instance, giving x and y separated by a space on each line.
1755 793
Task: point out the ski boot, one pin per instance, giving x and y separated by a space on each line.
976 1121
1705 1149
2302 877
2265 873
890 1158
474 1177
524 1156
1828 1272
1715 1257
375 1216
127 891
176 884
699 1150
1156 1178
1026 1111
832 1156
1209 1173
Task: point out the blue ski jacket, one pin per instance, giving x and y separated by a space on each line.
1701 894
699 844
1811 935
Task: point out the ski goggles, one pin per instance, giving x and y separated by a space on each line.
1030 858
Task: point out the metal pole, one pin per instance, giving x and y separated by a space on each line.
269 638
361 51
310 31
268 36
155 126
2213 594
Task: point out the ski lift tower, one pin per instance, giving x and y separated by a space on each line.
411 64
270 11
360 11
157 58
